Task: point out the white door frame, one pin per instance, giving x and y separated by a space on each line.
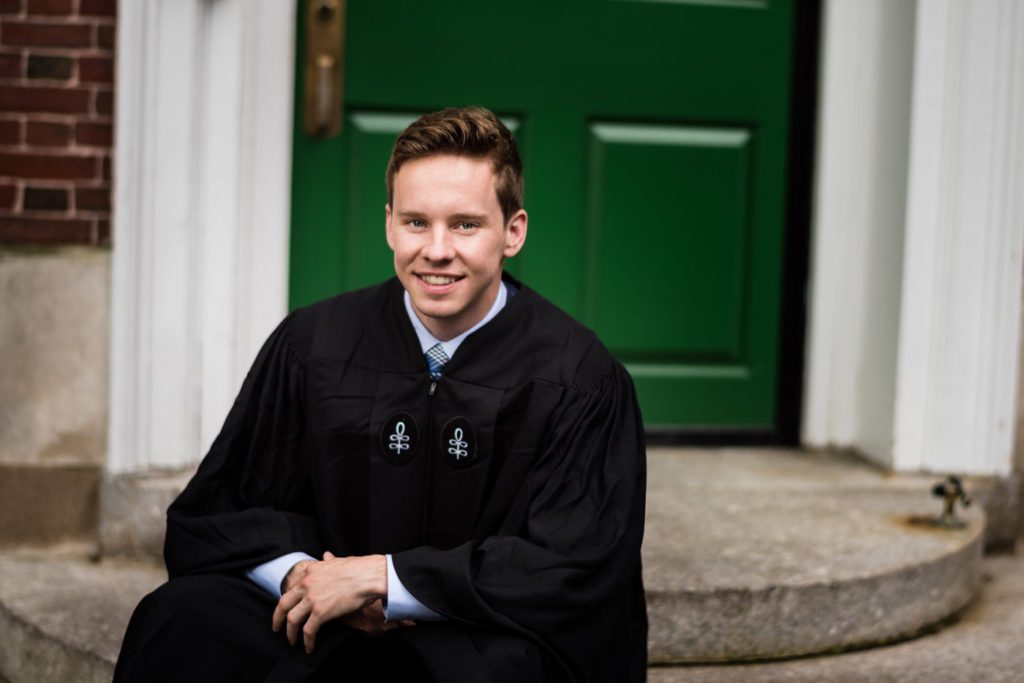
201 209
913 360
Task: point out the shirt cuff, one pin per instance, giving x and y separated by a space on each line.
401 604
269 575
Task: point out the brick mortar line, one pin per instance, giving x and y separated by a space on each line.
59 214
59 152
32 181
67 84
53 117
58 118
59 19
71 185
57 51
70 150
77 149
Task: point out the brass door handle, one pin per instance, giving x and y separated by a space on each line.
325 47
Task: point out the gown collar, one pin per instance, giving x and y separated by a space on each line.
381 347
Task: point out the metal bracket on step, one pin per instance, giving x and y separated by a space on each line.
951 490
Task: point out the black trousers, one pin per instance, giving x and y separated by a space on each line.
216 627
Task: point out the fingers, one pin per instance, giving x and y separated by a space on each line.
309 632
284 606
406 622
297 616
330 590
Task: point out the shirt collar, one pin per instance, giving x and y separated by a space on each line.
427 340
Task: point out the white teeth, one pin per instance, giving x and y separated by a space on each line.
438 279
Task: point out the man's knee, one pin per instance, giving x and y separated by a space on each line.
514 658
173 596
208 615
178 610
199 594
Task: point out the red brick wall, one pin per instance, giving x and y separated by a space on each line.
56 120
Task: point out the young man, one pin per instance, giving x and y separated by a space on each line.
438 478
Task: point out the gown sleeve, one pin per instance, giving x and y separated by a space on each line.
248 502
570 576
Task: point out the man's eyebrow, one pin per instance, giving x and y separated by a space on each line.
461 216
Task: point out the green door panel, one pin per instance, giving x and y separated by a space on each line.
669 214
654 136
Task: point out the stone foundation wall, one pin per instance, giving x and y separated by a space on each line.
54 346
133 512
54 337
1018 454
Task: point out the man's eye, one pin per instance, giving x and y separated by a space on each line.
416 223
466 226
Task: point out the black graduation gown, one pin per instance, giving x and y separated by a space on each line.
510 492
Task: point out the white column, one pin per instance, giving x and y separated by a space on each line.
961 298
201 210
857 243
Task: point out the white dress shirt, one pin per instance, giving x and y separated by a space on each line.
400 603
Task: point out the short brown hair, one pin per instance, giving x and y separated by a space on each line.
467 131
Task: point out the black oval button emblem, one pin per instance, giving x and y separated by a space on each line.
400 438
458 441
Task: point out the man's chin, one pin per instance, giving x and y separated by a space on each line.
436 310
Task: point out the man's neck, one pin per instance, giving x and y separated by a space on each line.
443 332
428 337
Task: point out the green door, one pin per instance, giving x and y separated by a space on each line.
654 136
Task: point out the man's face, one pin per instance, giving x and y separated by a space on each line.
449 238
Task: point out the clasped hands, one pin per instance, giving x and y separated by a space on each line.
346 588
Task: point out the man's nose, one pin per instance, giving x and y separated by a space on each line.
440 247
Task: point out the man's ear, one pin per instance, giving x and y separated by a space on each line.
515 233
388 230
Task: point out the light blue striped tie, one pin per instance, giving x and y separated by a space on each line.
436 358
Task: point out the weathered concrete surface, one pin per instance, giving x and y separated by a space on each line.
767 554
63 620
54 331
42 505
133 512
985 643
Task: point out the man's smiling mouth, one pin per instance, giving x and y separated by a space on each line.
440 279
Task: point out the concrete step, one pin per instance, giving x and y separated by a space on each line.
771 554
63 619
983 644
748 555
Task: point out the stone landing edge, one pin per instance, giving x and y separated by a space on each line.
63 619
783 621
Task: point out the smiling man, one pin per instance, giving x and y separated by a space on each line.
438 478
